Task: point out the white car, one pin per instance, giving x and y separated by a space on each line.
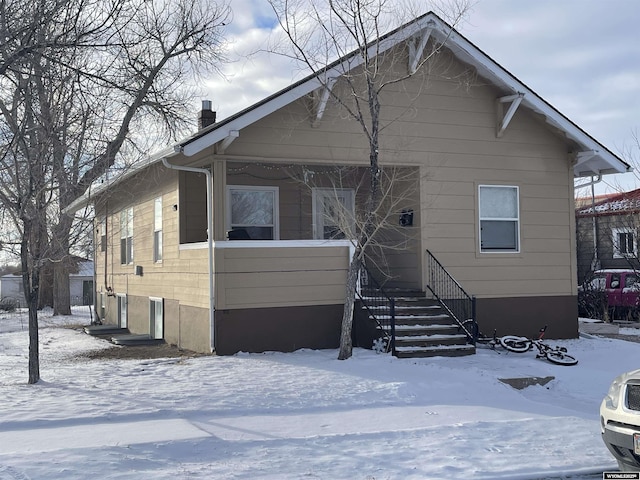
620 420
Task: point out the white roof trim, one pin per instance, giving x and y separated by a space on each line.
603 162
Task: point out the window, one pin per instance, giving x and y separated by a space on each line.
157 230
252 213
126 236
122 311
156 318
333 213
624 244
102 232
499 218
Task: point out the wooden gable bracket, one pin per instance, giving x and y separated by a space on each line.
505 118
228 140
416 47
320 99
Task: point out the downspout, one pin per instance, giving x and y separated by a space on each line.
208 175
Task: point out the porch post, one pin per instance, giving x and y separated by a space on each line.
219 200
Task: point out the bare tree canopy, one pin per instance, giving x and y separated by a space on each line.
81 82
343 41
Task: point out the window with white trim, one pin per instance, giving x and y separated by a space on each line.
102 232
252 212
499 212
333 213
624 242
126 236
157 230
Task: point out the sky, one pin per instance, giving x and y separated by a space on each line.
582 56
289 416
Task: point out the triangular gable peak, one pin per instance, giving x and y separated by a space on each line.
591 157
618 204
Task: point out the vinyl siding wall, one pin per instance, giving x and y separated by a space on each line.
448 129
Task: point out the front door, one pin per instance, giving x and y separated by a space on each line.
333 213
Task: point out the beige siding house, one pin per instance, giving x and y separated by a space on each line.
488 171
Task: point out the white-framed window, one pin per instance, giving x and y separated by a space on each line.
252 212
333 213
624 242
157 230
102 234
499 212
126 236
156 317
122 310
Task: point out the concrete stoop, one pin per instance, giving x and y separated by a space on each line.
105 330
134 340
121 336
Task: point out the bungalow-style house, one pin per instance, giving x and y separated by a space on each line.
607 232
492 165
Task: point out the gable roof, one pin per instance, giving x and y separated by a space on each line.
616 204
593 158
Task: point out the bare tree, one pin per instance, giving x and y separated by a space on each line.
321 31
78 80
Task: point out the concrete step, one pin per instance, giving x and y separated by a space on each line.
439 351
132 340
105 330
430 340
423 329
435 329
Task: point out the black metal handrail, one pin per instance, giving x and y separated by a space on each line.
379 306
454 299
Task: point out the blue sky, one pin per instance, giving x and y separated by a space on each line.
582 56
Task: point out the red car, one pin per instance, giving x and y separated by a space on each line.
622 287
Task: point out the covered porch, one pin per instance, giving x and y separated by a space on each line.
281 247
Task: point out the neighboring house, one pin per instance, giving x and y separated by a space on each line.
80 285
493 165
607 233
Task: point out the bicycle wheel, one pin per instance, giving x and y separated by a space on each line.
515 344
470 326
560 358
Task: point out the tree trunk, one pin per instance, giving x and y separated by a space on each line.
34 341
45 295
30 283
61 264
346 339
61 289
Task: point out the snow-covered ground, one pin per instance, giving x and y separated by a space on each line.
303 415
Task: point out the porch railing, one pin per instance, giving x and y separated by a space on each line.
379 306
453 298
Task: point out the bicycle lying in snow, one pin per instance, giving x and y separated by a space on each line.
557 355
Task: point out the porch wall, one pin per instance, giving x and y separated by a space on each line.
249 276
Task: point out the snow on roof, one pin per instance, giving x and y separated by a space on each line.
625 202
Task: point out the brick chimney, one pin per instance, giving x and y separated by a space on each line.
207 116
